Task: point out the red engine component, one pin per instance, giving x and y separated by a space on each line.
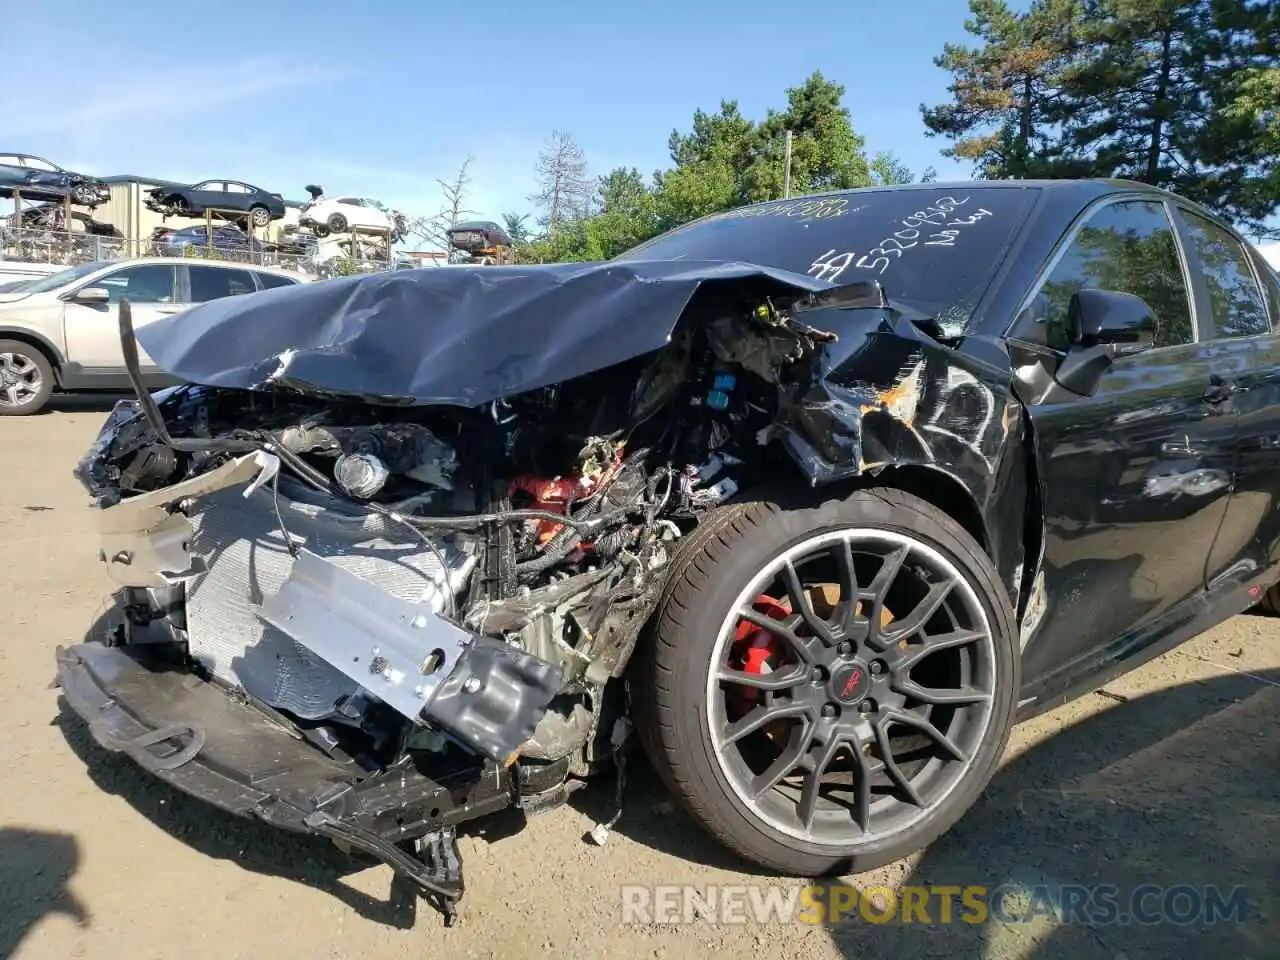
553 495
549 495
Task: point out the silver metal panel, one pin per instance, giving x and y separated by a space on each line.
240 542
390 646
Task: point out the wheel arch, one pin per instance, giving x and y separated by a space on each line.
930 483
39 341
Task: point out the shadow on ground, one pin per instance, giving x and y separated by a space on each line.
1178 787
82 402
35 868
252 845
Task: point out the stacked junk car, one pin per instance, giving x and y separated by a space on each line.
407 549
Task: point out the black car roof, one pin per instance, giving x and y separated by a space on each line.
1084 190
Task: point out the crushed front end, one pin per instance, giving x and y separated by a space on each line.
373 620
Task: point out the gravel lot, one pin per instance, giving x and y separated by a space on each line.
1170 776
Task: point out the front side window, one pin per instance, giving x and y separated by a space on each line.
214 283
216 186
1127 247
1234 296
148 283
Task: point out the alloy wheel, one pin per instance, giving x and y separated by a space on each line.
851 686
20 380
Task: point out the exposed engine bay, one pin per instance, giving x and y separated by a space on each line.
545 521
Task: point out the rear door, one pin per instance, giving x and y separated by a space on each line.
1135 479
239 196
1234 301
93 331
212 194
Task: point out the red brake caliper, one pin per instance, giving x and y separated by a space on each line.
758 650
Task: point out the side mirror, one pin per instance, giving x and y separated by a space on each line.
1110 317
92 295
1105 325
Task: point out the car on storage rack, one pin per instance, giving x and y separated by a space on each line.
60 332
326 215
823 495
35 178
223 238
226 198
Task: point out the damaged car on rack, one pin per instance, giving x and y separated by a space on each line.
818 497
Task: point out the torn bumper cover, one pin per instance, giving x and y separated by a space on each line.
251 763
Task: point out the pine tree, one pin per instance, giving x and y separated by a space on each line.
1003 90
1150 97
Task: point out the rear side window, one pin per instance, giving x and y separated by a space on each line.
213 283
269 280
1128 247
1270 287
1234 296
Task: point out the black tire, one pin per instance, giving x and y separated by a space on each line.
24 354
336 223
179 206
669 675
259 216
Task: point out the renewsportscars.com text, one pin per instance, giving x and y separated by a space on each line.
1093 905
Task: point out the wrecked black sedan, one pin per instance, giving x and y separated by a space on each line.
818 497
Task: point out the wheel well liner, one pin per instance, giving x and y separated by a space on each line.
928 483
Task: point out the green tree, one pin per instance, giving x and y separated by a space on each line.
887 169
826 153
1002 90
724 161
1165 91
517 227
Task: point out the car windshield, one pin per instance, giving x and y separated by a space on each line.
934 248
54 280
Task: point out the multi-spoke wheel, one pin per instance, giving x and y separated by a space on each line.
26 379
829 687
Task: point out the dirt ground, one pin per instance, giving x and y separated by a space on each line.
1170 776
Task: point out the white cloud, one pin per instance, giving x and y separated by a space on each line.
162 92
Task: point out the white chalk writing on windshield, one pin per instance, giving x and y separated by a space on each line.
934 226
823 208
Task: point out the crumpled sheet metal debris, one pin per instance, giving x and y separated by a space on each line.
456 337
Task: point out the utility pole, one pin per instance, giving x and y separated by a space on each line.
786 170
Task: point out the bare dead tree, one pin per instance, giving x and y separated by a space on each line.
453 210
564 190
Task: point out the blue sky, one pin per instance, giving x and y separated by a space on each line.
382 98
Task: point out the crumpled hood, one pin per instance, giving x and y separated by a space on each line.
463 336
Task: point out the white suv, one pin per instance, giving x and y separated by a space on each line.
62 332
